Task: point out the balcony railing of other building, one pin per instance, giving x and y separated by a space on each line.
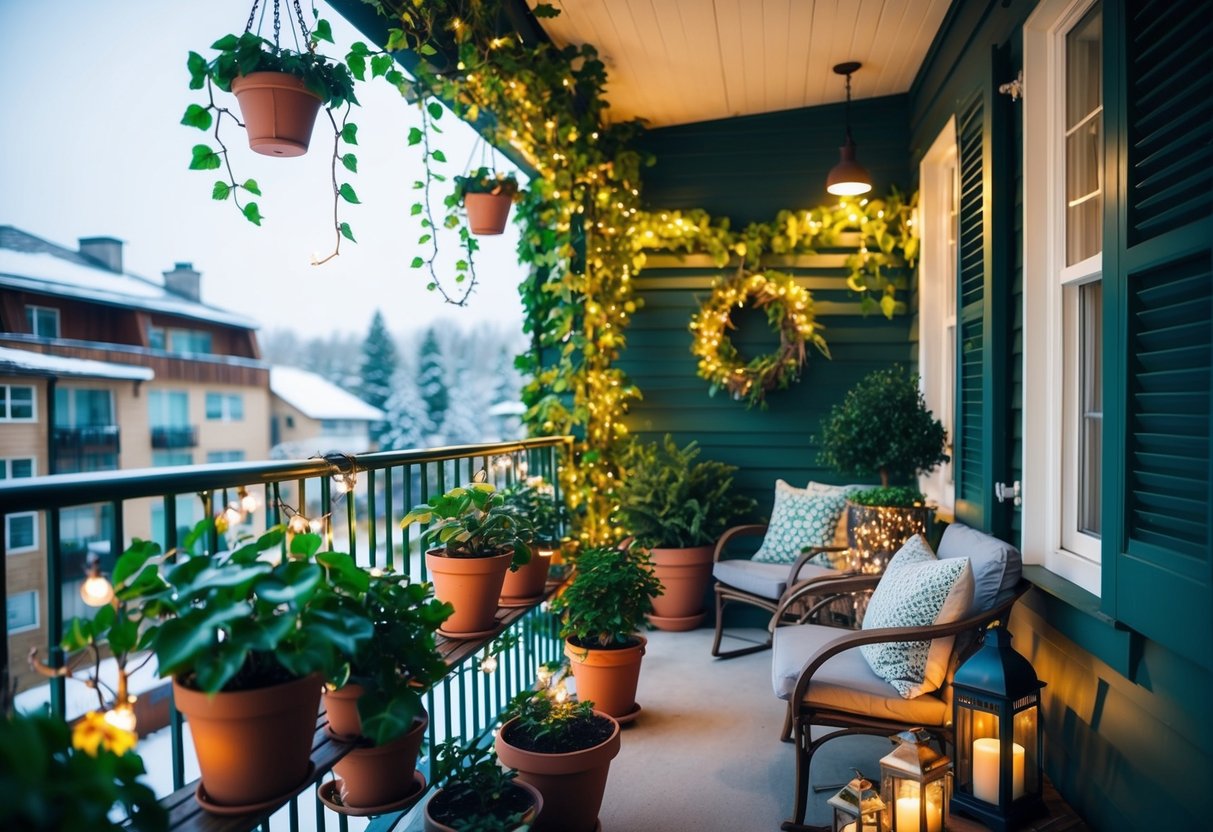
175 436
85 448
356 502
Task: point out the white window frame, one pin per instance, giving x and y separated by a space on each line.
937 175
8 537
6 463
226 402
8 403
32 311
1050 323
37 612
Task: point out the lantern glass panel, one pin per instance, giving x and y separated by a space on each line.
1027 737
972 723
846 822
908 812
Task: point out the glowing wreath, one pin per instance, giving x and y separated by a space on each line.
789 310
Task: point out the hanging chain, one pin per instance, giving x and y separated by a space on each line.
303 27
252 15
277 26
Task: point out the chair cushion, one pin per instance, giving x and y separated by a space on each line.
917 589
997 565
766 580
799 519
845 682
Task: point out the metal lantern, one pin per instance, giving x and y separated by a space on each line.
996 716
858 808
916 783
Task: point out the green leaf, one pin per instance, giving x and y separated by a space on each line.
323 31
888 305
221 190
132 560
349 133
181 641
306 544
204 158
347 193
252 213
417 263
291 583
79 634
357 65
439 156
196 65
344 228
427 50
351 162
415 209
197 116
415 136
380 64
123 635
424 238
543 10
434 109
252 187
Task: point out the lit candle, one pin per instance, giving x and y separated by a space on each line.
907 818
986 758
850 827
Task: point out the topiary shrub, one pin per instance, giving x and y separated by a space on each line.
883 427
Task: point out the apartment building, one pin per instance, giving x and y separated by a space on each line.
101 369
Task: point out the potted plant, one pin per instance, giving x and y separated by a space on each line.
479 537
487 197
477 794
883 427
249 643
564 749
603 608
381 705
677 508
279 92
535 500
54 777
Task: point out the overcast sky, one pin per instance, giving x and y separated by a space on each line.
90 145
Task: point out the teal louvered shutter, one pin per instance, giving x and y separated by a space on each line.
1159 579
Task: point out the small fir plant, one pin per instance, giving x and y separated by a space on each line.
473 521
609 599
883 427
485 181
535 499
668 500
475 793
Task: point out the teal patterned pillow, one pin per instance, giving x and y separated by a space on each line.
916 590
799 519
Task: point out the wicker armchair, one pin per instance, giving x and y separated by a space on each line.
828 683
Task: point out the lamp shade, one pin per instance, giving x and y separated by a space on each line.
848 177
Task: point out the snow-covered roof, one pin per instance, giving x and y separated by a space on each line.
318 398
507 409
47 272
56 365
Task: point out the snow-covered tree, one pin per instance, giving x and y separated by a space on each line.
377 369
433 381
408 422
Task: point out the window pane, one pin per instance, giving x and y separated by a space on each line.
20 531
214 406
20 403
22 467
235 405
155 338
1090 440
1084 138
22 611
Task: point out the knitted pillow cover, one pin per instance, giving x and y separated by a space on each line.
917 589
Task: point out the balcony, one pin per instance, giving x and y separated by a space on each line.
85 448
174 436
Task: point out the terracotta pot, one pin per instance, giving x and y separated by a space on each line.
684 574
608 678
279 112
572 783
527 584
341 708
252 745
382 774
487 213
473 586
432 825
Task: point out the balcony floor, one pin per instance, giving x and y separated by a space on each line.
704 753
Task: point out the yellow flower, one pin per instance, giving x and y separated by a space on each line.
92 732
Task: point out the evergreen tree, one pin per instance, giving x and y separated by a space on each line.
431 383
408 421
377 370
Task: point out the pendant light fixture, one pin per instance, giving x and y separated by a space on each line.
848 177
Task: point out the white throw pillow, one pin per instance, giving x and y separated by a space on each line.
917 589
799 519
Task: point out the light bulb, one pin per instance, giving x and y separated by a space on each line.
122 717
232 515
562 694
249 503
96 591
488 664
298 524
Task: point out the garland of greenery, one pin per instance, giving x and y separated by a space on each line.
583 234
789 310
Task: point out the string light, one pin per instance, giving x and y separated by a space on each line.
96 591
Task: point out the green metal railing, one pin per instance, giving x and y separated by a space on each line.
356 503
